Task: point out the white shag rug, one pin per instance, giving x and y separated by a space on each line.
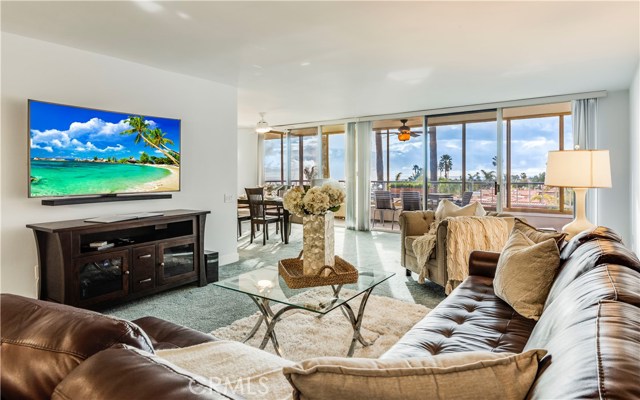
302 335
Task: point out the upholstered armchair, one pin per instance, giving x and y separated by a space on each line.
414 224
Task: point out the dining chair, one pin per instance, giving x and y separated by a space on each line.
383 202
243 215
410 201
257 210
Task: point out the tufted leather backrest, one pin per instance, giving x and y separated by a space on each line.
585 252
592 334
42 342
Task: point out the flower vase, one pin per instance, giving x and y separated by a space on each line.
318 244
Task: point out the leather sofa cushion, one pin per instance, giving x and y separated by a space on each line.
599 232
123 372
467 375
167 335
42 342
472 318
600 249
592 334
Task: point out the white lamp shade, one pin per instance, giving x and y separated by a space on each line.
578 169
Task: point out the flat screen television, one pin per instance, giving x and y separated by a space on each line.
77 151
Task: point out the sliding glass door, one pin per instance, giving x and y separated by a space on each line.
462 158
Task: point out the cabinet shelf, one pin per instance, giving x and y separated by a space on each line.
149 255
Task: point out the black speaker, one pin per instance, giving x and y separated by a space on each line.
211 265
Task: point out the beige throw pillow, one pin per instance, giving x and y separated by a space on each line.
525 273
463 375
538 236
447 208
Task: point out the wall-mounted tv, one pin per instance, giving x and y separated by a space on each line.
76 151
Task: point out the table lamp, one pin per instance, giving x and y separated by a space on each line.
580 170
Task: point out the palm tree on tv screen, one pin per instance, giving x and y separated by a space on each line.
157 137
141 129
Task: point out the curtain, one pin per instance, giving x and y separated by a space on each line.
260 159
363 170
584 114
350 175
584 118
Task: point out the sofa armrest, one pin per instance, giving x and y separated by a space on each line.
483 263
167 335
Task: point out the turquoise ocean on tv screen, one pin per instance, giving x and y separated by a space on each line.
68 178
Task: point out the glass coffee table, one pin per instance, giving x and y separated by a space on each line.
265 285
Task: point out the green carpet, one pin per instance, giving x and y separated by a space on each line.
210 307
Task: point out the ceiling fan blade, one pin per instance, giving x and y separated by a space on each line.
415 134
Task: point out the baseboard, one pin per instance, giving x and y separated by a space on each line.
229 258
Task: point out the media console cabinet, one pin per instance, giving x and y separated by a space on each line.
149 255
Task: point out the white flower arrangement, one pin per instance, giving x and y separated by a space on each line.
313 201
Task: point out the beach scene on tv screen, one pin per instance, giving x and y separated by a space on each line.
79 151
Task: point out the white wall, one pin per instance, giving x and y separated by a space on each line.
248 159
634 154
613 205
44 71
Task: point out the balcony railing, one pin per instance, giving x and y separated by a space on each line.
525 196
533 196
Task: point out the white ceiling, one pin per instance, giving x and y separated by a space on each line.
309 61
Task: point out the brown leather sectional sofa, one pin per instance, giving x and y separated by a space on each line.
590 327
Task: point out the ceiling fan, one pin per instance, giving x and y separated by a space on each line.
404 132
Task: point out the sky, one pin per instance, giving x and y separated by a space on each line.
531 140
60 131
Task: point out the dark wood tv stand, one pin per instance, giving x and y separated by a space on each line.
149 255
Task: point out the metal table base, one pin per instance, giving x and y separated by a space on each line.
270 319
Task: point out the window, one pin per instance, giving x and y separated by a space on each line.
531 132
304 150
273 157
462 158
397 167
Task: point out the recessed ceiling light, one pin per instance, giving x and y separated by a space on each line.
183 15
305 63
149 6
257 66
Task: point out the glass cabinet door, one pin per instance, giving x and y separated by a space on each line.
177 260
102 277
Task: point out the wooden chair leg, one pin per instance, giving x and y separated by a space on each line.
265 232
408 272
252 232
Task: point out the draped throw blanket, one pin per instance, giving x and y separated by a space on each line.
423 248
464 234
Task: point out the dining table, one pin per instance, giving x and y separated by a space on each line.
274 201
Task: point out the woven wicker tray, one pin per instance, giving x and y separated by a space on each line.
341 273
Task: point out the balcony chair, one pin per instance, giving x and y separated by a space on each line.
465 199
384 202
410 201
